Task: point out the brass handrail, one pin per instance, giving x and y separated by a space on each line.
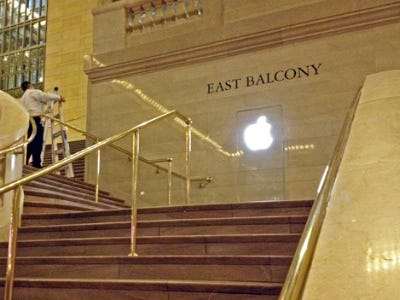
168 160
153 162
118 148
17 184
296 278
106 142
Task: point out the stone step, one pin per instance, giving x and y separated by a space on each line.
58 206
184 267
233 244
66 184
110 215
76 199
72 187
260 208
238 225
56 179
128 289
265 208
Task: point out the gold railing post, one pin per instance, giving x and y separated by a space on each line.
97 174
12 244
187 160
169 181
135 164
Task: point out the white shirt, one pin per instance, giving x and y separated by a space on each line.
35 100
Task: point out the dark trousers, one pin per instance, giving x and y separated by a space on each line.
35 147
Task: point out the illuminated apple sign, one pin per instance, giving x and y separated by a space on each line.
257 136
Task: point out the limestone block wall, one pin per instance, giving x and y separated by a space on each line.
300 64
69 38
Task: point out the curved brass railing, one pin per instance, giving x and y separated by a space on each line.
17 186
296 278
23 144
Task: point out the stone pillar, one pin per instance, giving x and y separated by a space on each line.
13 126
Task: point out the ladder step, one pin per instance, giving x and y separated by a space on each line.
59 151
57 134
65 167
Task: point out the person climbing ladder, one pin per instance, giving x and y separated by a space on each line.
35 101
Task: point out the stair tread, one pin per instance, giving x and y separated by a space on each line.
156 259
226 238
70 197
242 205
69 206
189 222
187 208
115 211
163 285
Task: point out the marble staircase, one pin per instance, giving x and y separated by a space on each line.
78 165
70 247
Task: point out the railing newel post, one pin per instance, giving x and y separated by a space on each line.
187 158
12 244
169 181
97 173
135 161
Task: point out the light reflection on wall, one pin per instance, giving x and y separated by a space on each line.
300 147
155 104
382 260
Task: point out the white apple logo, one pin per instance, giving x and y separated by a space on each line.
257 136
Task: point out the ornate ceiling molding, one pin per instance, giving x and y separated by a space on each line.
358 20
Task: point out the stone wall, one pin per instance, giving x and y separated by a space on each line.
299 63
69 38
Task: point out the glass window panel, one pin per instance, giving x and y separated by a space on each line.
42 33
35 34
20 41
36 10
8 14
3 80
6 41
43 10
1 14
19 67
22 11
13 39
25 69
29 9
11 81
33 76
19 80
17 35
27 39
33 62
15 12
40 74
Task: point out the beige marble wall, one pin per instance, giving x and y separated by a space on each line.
357 255
306 112
69 38
13 127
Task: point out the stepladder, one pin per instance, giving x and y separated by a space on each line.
58 136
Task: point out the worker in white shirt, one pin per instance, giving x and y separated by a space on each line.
35 102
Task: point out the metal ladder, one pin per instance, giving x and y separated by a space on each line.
56 152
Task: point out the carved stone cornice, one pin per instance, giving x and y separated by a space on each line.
341 23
